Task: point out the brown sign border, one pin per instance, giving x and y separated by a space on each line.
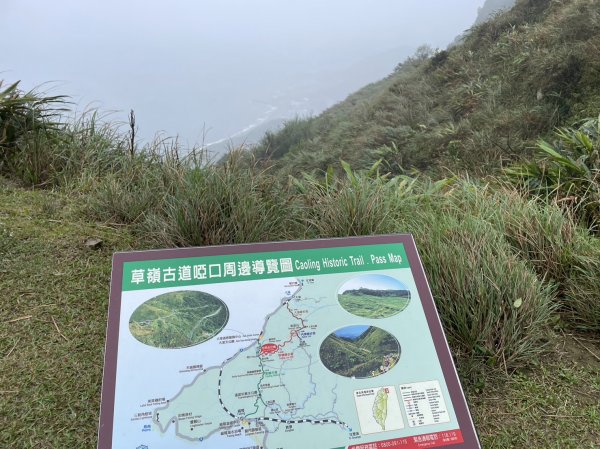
105 429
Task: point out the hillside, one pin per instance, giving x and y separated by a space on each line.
472 107
53 323
512 259
369 303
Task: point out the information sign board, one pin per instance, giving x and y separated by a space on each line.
313 344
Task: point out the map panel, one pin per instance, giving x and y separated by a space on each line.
312 348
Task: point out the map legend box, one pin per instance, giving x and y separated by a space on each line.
424 403
378 410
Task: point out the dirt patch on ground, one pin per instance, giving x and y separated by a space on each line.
580 349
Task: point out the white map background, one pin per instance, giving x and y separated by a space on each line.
144 372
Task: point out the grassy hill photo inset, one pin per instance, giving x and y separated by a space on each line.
360 352
374 296
178 319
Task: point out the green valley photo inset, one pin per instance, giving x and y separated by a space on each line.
374 296
178 319
360 352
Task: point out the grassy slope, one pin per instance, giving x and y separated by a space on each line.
514 79
464 108
373 306
50 385
52 320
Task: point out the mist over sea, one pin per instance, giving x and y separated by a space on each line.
217 70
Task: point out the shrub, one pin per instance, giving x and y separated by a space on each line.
355 205
568 171
25 117
582 292
493 306
228 203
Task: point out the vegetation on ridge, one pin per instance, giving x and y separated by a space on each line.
471 107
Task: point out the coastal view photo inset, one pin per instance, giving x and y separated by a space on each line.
360 351
178 319
374 296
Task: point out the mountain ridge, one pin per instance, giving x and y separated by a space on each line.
472 107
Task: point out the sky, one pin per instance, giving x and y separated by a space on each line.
206 69
351 332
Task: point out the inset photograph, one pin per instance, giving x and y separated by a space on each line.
360 352
374 296
178 319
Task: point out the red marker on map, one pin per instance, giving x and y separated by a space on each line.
268 348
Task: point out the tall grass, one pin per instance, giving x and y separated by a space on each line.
563 254
567 171
500 264
493 306
222 204
355 204
582 290
27 118
538 233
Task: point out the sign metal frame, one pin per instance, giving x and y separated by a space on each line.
463 416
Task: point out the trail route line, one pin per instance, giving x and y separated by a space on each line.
264 389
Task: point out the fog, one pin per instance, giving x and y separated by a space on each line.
205 70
